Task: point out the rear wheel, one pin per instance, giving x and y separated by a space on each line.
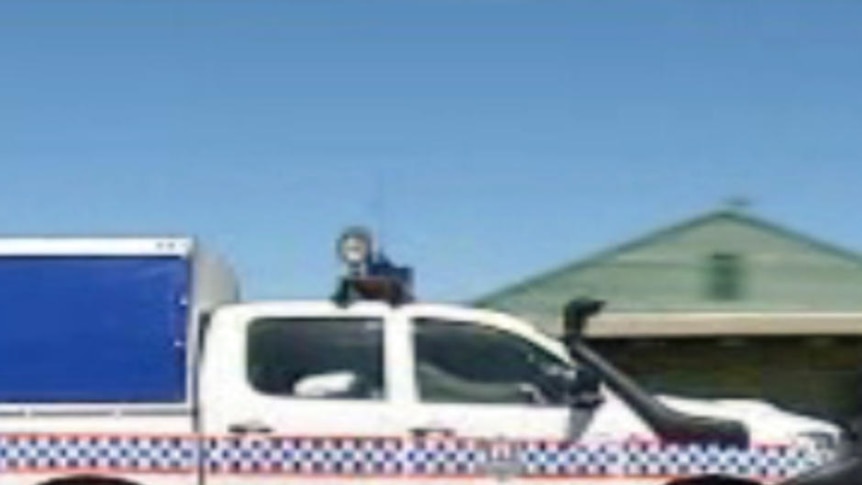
88 480
713 480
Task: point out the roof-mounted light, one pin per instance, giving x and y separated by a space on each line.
355 248
370 275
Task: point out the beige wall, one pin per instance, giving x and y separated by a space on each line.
814 375
635 325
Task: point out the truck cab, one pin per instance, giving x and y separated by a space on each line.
415 370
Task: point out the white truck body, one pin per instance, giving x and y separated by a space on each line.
315 392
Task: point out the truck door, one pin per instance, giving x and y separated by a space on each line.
482 390
311 401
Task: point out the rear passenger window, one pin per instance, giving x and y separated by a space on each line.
317 358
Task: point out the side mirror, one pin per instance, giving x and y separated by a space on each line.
586 390
578 387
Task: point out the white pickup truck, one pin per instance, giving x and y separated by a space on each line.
130 362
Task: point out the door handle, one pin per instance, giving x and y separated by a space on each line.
251 427
432 432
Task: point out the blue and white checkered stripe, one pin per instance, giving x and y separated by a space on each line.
48 452
393 457
558 459
653 459
448 457
304 456
464 457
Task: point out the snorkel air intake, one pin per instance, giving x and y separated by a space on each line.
670 425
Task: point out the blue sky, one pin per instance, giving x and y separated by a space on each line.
487 139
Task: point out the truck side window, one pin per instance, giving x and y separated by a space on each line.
322 358
458 362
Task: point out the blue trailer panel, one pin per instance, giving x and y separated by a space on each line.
94 329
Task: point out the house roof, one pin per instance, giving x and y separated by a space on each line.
735 215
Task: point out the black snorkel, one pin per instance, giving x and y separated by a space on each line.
670 425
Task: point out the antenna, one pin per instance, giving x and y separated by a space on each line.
378 208
738 203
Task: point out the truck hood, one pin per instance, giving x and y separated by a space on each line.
766 423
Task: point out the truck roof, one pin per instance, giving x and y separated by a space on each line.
91 246
311 308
